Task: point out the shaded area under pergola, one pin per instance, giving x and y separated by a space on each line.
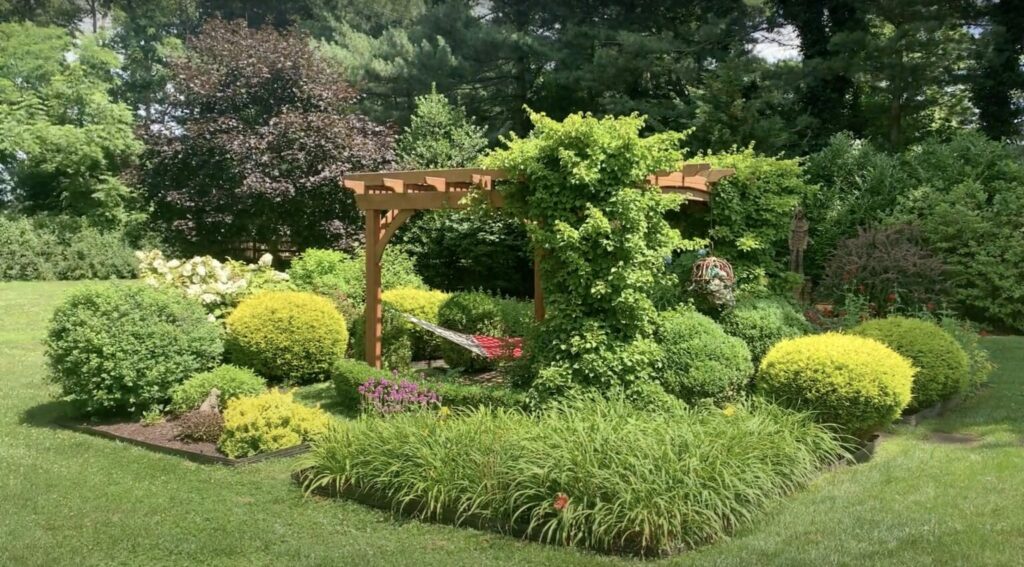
390 198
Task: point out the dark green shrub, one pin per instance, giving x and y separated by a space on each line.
120 349
26 253
423 304
396 339
968 201
856 383
93 255
232 382
700 360
478 313
347 375
858 186
286 336
942 365
596 474
979 359
761 323
464 250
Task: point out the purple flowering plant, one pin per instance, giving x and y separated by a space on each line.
390 396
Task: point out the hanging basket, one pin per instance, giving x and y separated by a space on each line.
715 279
710 269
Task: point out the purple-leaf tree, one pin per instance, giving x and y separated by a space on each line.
260 129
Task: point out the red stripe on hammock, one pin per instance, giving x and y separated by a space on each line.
500 348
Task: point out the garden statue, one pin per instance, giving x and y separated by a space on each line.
798 240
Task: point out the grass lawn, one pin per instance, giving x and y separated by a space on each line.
70 499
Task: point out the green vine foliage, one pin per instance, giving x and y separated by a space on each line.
580 184
751 213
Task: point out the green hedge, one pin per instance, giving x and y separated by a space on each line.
478 313
761 323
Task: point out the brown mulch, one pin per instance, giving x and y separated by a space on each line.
163 434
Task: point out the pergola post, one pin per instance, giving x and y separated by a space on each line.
373 315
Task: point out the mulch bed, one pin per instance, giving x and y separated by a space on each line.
162 438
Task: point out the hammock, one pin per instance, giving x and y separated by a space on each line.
480 345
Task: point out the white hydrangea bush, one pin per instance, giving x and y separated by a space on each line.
218 286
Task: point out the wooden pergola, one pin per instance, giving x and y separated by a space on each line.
391 197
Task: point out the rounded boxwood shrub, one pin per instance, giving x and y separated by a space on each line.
854 382
230 380
286 336
268 422
478 313
761 323
700 360
942 364
120 349
423 304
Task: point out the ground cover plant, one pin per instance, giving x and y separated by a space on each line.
942 365
591 473
120 349
268 422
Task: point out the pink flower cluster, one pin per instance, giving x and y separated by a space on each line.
388 397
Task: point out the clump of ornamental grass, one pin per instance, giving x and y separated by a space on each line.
591 473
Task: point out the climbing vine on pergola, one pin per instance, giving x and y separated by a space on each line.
391 198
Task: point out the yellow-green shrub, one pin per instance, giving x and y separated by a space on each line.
268 422
424 304
286 336
942 365
854 382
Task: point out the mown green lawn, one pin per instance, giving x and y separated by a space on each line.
70 499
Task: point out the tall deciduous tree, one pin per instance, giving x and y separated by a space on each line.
63 142
262 131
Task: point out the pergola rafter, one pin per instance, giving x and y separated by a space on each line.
390 198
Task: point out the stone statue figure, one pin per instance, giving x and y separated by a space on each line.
798 240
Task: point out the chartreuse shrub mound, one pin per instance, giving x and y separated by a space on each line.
763 322
854 382
591 473
700 360
942 365
268 422
286 336
231 381
120 349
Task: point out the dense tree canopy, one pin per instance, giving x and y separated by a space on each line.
261 130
